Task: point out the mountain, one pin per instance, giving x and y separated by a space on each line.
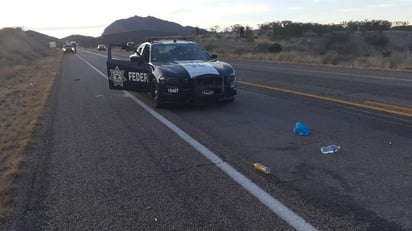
136 29
20 47
149 23
135 36
83 41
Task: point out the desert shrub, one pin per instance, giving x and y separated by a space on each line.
397 60
339 41
210 47
239 51
261 47
377 40
275 48
330 59
268 47
386 54
336 59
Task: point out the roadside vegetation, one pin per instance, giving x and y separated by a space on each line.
28 68
378 44
367 44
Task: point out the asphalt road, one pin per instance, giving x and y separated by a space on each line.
101 161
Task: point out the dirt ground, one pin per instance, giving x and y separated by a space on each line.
24 90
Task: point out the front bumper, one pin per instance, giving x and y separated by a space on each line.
202 88
68 51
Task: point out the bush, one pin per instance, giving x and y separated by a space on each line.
275 48
330 59
339 42
377 40
268 47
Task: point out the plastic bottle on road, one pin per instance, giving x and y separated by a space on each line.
262 168
330 149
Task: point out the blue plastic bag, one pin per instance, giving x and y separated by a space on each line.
301 129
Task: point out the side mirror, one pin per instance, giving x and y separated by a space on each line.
136 58
214 56
123 46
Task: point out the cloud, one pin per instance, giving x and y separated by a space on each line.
324 1
221 13
350 10
383 5
238 9
181 11
296 8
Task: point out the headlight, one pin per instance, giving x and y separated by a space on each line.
169 81
230 78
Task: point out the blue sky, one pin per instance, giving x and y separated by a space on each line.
63 18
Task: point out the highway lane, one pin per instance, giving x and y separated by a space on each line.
100 162
370 175
352 84
365 186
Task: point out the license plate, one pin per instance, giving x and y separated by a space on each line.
208 92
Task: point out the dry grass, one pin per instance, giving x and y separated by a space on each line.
397 61
27 72
23 93
352 52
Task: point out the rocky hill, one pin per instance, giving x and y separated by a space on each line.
135 36
19 46
149 23
136 29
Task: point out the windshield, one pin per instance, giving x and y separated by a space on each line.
178 52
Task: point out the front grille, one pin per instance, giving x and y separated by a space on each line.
209 86
209 81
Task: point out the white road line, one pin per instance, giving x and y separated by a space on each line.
273 204
90 52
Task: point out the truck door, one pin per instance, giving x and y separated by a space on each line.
125 72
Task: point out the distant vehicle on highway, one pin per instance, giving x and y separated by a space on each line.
75 45
68 48
101 47
173 71
131 46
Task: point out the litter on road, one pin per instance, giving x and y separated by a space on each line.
330 149
262 168
301 129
